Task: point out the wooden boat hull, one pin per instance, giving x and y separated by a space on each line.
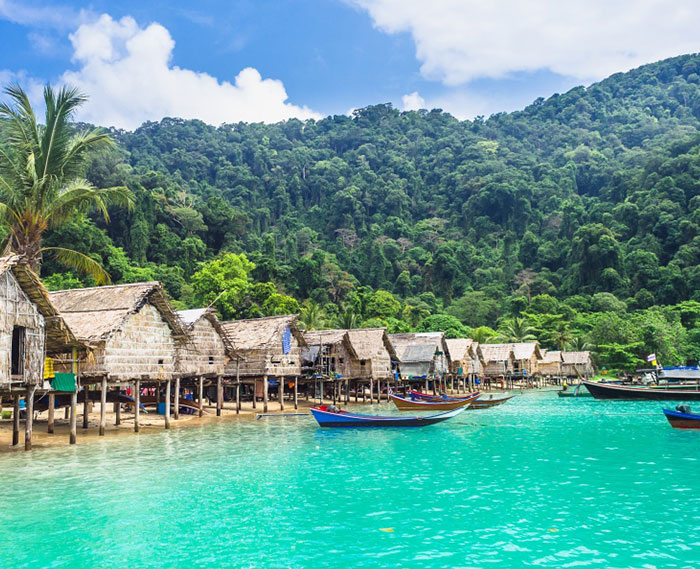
680 420
352 420
625 393
403 404
488 403
418 396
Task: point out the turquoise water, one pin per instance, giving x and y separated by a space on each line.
540 481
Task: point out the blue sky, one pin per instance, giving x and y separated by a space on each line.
267 60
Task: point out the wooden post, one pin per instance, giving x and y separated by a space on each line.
265 394
357 395
85 406
238 387
52 410
371 391
15 422
280 392
201 396
176 399
167 404
255 392
364 394
103 406
347 391
219 395
296 393
137 404
73 437
118 410
29 410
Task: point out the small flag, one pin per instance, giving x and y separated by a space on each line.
651 357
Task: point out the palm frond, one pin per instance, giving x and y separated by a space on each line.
80 196
80 262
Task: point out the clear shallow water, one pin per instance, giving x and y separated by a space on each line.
540 481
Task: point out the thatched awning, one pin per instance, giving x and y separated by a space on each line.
330 338
59 337
261 333
369 342
95 313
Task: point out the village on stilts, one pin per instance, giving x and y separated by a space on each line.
119 358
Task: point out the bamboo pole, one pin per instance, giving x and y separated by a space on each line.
280 392
52 411
296 393
85 406
219 395
176 409
255 392
238 387
103 406
15 422
201 396
73 437
137 406
29 410
265 385
118 410
167 403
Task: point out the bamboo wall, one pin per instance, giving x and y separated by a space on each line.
17 310
204 354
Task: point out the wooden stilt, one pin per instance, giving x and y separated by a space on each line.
103 406
176 399
255 392
52 410
201 396
265 385
281 393
347 391
15 422
364 394
357 395
85 406
219 395
29 410
296 393
66 413
73 437
167 403
137 404
118 410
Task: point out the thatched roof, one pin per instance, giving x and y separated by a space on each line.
59 337
95 313
330 337
402 342
261 333
190 317
521 350
369 342
460 348
576 358
550 357
496 352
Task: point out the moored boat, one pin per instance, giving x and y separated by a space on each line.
682 418
326 416
419 396
629 393
488 403
576 392
405 404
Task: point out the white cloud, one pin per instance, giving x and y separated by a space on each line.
42 16
126 71
461 40
413 102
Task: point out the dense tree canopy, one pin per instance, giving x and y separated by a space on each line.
576 220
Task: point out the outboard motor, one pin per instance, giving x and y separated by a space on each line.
683 409
333 409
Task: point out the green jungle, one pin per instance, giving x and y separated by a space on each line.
575 221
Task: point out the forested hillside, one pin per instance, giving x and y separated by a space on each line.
576 219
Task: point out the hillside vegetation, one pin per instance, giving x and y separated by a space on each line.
576 220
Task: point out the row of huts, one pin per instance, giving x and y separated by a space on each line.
103 341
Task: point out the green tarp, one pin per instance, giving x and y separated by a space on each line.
64 382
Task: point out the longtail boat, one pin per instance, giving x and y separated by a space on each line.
575 392
682 419
405 404
627 393
488 403
338 418
419 396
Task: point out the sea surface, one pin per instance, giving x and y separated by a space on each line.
539 481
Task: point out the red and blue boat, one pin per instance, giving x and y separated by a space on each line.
682 418
328 416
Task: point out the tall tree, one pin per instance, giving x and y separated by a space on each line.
41 176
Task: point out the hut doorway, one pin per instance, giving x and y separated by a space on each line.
18 339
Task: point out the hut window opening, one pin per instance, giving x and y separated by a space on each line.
18 339
160 362
362 362
211 360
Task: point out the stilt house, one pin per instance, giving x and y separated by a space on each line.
421 355
464 362
498 359
131 330
30 325
330 353
577 364
551 363
268 347
208 350
375 353
526 356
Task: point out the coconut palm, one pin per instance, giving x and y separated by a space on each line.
579 344
348 319
312 317
517 330
41 183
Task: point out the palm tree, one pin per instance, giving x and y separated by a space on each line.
561 335
348 319
312 317
517 330
41 183
579 344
